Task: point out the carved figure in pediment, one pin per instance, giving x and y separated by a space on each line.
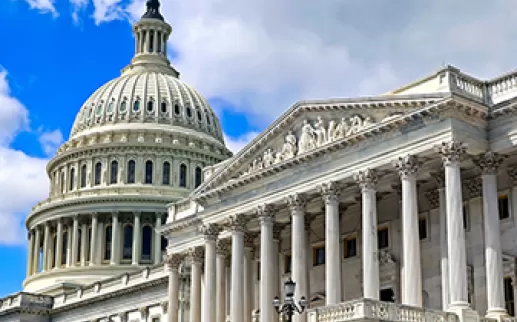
307 138
367 122
331 131
289 149
257 164
320 132
268 158
341 129
279 157
356 125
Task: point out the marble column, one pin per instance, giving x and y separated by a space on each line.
37 248
114 239
136 238
248 276
75 240
299 268
489 164
451 152
275 263
367 181
330 193
266 216
59 245
211 232
84 242
196 256
30 255
93 241
46 247
220 300
157 257
407 167
172 265
237 224
69 240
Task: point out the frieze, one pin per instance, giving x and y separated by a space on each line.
313 135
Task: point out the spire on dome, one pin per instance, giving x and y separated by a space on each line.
153 10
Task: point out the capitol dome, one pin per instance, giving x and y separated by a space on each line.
138 143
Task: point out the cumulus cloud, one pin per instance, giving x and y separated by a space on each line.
235 144
50 141
23 180
44 6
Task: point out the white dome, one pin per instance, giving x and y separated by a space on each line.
149 96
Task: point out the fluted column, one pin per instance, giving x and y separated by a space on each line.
136 239
220 300
489 164
157 238
114 239
30 253
330 194
211 232
451 152
367 181
196 256
248 276
93 241
296 204
37 245
59 245
237 224
266 216
84 242
172 265
75 240
407 167
46 247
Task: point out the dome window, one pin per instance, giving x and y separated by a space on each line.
98 173
198 176
83 176
150 106
110 108
189 112
149 172
163 107
114 172
166 180
131 171
123 106
90 111
99 110
199 116
136 106
183 176
127 247
207 118
177 109
147 242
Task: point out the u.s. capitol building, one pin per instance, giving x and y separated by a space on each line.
398 207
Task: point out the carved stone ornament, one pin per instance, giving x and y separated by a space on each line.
249 239
474 187
211 231
407 166
122 317
367 179
277 231
451 151
223 247
266 213
512 172
165 307
439 178
433 197
296 202
489 162
237 223
174 261
196 255
312 135
330 192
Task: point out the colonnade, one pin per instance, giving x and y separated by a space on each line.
454 274
95 239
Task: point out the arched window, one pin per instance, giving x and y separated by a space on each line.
127 246
147 242
107 243
98 173
114 172
83 176
198 177
189 112
150 106
166 173
79 233
149 172
136 106
151 42
177 109
131 171
207 119
123 107
183 176
72 179
62 183
64 248
199 116
164 107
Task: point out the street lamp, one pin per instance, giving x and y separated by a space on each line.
289 308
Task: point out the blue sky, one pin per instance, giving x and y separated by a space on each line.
252 59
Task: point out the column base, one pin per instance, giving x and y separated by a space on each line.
498 314
464 312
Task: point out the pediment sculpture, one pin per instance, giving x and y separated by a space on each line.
313 135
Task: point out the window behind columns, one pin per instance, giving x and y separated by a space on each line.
72 179
383 239
107 243
54 245
62 185
183 176
131 171
198 176
509 296
318 255
98 173
83 176
163 244
166 180
127 245
504 206
288 263
79 241
422 227
350 247
149 172
147 242
88 248
63 250
114 172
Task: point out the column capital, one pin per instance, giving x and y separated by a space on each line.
407 166
195 255
296 202
266 213
249 239
489 162
211 231
95 215
433 197
236 223
451 151
114 214
439 178
223 247
174 261
367 179
512 172
330 192
137 213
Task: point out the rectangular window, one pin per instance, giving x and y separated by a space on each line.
350 247
465 216
383 238
258 271
287 264
504 207
422 227
509 296
318 257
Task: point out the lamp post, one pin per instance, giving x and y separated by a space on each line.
289 308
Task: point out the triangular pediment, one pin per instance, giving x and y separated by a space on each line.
310 127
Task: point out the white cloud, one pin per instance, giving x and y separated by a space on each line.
50 141
77 7
23 180
44 6
236 144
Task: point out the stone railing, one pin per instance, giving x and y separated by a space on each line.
27 302
468 85
503 87
366 309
